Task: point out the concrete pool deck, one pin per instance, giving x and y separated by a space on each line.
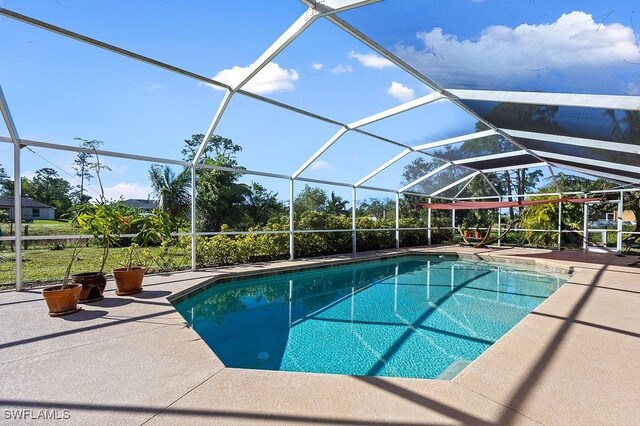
133 360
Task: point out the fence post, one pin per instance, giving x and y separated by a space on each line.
17 187
620 214
499 222
193 218
397 220
453 223
429 224
291 227
585 226
354 241
560 223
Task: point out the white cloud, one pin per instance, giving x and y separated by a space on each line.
272 78
506 55
371 60
126 190
321 165
317 66
401 92
342 69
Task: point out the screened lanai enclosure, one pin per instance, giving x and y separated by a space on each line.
394 102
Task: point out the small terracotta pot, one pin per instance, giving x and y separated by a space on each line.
129 281
467 233
62 301
93 284
478 234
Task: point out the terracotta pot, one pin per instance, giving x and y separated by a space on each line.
93 284
62 301
478 234
467 233
129 281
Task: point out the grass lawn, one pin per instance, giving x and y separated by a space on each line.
43 227
41 265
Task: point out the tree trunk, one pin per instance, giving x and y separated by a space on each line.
519 187
507 179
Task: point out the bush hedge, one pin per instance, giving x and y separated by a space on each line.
219 250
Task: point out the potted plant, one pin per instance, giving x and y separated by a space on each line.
150 228
63 299
465 226
100 221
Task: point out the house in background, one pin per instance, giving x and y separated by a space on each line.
31 209
142 205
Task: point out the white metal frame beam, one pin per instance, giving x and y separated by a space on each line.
569 140
17 186
329 7
599 174
490 157
453 184
523 166
454 140
559 99
383 167
597 163
286 38
419 148
455 197
484 176
424 100
425 177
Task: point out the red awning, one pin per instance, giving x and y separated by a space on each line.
479 205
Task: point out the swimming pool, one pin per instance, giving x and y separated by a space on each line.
410 316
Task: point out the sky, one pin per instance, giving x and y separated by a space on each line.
58 88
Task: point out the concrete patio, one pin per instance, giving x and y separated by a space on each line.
133 360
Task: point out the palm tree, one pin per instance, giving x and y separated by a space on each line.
171 190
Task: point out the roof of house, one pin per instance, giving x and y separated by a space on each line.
26 202
141 204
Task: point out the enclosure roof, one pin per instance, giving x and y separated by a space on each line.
554 87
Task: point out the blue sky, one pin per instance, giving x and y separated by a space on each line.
58 88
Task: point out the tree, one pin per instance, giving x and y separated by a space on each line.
220 197
83 167
310 198
336 205
223 149
6 183
374 207
47 187
261 205
545 216
418 168
171 190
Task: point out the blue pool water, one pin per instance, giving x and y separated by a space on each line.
416 316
